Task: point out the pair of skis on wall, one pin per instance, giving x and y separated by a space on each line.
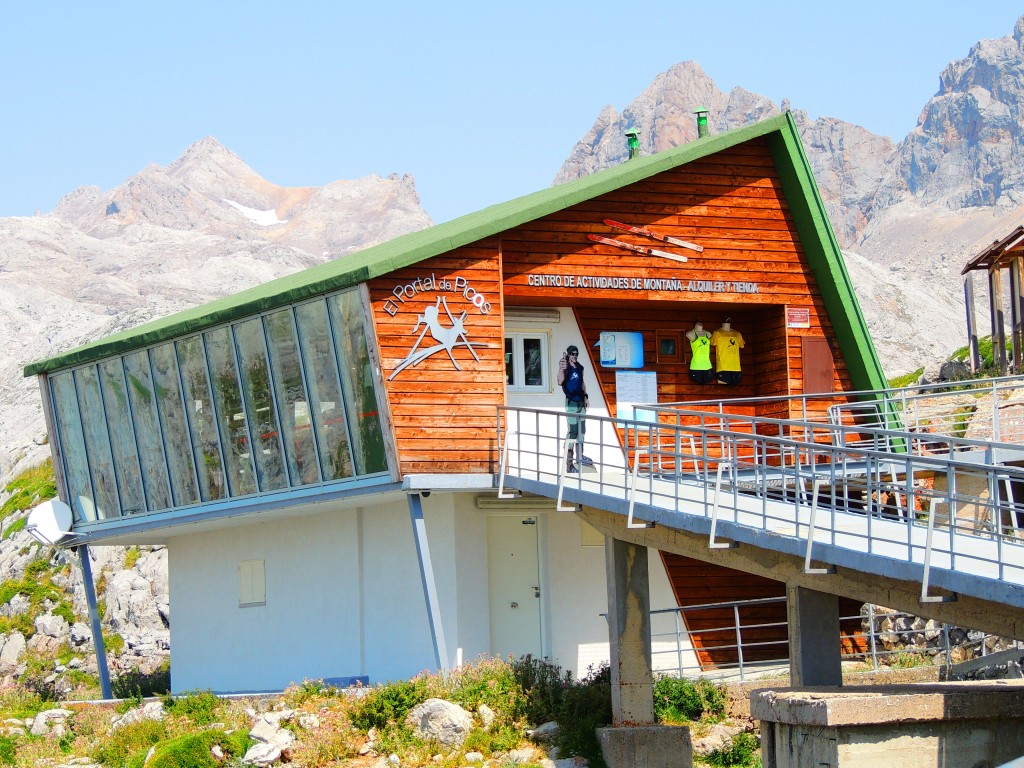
641 248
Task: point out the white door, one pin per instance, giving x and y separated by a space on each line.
513 571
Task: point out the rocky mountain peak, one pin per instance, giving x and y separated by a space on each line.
966 148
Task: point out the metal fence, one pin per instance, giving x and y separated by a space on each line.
870 483
888 639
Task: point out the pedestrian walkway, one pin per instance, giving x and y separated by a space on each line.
870 484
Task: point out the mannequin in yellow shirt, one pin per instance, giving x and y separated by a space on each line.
727 344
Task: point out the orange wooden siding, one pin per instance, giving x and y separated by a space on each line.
444 417
730 203
764 630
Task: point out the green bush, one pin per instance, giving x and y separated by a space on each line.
586 705
128 741
198 706
542 683
28 488
906 379
65 611
742 753
489 681
14 527
193 750
678 700
389 703
136 685
113 643
8 751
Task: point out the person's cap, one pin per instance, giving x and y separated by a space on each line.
572 350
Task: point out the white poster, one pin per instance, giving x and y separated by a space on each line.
635 388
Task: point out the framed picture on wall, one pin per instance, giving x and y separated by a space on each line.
669 346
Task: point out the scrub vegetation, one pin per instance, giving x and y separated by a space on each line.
27 489
339 728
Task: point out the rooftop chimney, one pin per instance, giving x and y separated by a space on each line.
633 142
702 121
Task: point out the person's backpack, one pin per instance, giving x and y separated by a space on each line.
572 385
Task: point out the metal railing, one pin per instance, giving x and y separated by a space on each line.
865 638
942 501
990 410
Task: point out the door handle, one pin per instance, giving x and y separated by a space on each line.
515 604
536 591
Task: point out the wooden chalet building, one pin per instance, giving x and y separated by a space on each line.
279 441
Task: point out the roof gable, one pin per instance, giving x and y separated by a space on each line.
412 248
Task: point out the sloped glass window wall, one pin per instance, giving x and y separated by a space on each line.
282 400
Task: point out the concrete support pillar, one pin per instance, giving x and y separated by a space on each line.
815 653
629 631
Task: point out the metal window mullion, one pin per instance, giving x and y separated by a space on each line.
273 398
233 344
62 479
188 419
135 433
345 401
314 423
301 361
85 443
110 444
215 416
160 427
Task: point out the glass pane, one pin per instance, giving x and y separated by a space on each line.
259 405
174 425
292 404
231 421
97 443
510 361
122 437
147 430
72 444
329 424
533 364
357 380
201 422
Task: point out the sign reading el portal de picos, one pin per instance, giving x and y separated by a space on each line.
446 330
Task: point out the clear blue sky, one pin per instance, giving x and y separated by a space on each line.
480 102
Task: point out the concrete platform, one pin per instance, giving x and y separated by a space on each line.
652 746
955 725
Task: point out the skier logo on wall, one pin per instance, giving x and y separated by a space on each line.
447 338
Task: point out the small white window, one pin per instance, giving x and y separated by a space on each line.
252 583
526 362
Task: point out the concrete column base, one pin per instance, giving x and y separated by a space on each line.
954 725
649 746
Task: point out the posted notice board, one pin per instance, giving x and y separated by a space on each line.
635 388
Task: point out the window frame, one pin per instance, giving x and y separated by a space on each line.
519 372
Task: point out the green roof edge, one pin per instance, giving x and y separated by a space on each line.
825 258
414 247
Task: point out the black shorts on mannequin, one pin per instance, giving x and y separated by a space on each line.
729 378
702 377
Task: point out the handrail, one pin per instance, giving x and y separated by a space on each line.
774 474
681 639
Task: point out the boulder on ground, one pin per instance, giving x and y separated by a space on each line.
439 719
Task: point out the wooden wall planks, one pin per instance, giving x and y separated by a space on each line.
730 203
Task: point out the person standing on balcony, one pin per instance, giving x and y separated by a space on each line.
570 379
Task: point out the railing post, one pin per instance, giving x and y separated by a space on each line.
996 431
872 637
945 642
679 645
739 639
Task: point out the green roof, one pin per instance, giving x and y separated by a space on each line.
798 184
